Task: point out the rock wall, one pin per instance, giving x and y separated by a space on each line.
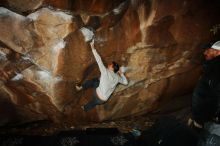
43 54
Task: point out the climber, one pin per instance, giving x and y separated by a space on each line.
206 96
106 84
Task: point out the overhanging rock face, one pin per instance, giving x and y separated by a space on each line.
44 53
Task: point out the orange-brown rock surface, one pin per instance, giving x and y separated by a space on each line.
43 54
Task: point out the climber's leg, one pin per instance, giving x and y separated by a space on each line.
93 83
95 101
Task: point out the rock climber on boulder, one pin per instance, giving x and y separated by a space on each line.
106 84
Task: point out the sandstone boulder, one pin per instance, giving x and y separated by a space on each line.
45 53
17 32
24 5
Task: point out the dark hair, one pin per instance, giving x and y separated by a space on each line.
115 66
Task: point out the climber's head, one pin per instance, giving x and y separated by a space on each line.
113 66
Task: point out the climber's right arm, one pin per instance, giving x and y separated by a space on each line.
98 59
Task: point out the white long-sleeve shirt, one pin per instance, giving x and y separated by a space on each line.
108 80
